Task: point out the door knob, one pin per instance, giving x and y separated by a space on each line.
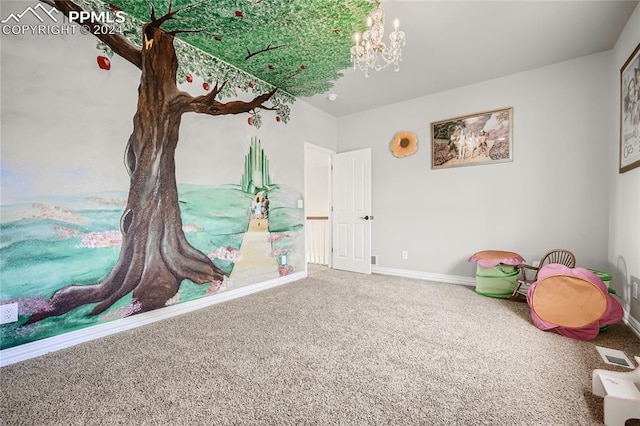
367 218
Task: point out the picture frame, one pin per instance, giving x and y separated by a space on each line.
630 112
471 140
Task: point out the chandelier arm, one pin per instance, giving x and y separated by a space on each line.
370 52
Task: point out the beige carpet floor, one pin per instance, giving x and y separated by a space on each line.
334 348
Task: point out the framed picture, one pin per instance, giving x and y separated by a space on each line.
483 138
630 112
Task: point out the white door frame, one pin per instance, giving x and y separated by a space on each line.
328 153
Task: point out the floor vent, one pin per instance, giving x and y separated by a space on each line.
374 259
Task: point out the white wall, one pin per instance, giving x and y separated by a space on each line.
65 125
317 178
553 194
624 223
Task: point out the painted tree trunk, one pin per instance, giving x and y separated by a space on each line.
155 256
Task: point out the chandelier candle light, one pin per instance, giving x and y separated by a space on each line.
370 52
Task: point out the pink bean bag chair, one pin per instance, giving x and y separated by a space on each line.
574 302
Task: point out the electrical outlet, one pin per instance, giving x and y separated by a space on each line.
8 313
635 282
405 254
284 259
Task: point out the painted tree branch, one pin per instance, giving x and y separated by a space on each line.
266 49
117 42
207 104
157 22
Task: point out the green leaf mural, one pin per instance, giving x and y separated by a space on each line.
298 46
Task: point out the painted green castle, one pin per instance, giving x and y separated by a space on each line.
256 169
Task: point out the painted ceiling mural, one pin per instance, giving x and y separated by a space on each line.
274 50
297 46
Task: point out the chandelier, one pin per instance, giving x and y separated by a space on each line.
370 52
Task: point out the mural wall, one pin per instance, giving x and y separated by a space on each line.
252 231
66 193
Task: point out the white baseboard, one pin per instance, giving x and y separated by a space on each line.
52 344
441 278
633 323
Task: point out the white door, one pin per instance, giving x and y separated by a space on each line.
351 230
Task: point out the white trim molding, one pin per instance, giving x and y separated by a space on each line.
633 323
428 276
56 343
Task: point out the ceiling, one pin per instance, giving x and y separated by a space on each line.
457 43
302 46
298 46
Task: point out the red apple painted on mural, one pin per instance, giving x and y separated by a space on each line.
239 14
303 67
271 66
104 63
251 85
250 121
205 86
189 78
278 118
